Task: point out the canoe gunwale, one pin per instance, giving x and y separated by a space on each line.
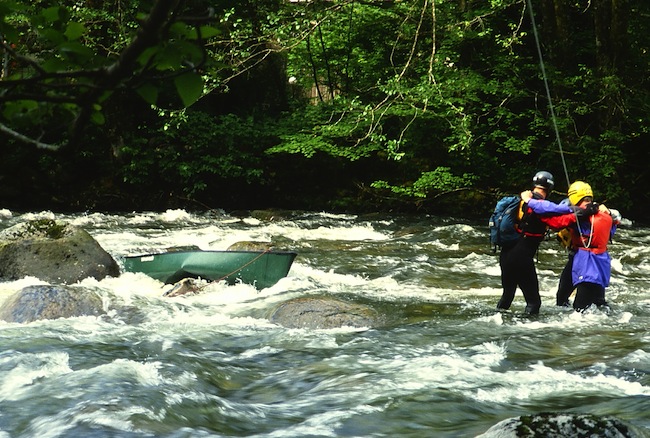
137 256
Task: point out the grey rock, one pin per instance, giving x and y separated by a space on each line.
323 313
53 251
565 425
39 302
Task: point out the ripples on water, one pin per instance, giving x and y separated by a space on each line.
447 365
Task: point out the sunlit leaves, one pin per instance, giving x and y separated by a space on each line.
441 179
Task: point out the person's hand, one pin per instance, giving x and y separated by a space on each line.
580 212
616 215
526 195
591 208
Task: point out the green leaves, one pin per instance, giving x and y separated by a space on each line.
441 179
148 92
74 31
72 57
198 152
189 87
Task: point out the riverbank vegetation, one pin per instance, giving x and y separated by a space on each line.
425 105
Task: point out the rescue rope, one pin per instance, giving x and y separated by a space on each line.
553 118
174 291
548 90
243 266
591 233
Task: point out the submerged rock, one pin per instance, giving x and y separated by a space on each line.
559 425
324 313
250 245
39 302
271 214
53 251
184 287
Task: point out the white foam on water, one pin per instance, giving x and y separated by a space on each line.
8 288
540 382
351 371
442 245
27 369
639 357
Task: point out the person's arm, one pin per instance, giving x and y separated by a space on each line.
559 222
616 220
543 207
556 216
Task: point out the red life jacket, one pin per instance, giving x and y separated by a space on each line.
596 237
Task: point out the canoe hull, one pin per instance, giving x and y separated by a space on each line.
259 268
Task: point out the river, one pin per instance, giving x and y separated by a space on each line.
213 365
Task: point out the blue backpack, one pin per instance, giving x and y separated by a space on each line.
503 222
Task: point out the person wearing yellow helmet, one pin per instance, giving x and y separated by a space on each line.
517 262
578 191
592 226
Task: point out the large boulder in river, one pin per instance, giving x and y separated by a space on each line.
323 313
53 251
34 303
566 425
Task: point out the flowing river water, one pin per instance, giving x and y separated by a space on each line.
446 364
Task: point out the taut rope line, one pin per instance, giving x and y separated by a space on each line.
550 106
242 267
198 289
548 91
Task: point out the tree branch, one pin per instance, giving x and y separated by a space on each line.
24 138
148 35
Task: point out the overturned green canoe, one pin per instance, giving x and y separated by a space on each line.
259 268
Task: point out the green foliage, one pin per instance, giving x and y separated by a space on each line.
189 87
431 95
196 152
474 107
439 180
340 128
69 57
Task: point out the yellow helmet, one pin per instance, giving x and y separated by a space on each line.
579 190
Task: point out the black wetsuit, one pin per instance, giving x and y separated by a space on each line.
518 264
565 286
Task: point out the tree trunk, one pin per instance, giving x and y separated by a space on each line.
554 22
610 25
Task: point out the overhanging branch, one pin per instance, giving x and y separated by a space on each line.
24 138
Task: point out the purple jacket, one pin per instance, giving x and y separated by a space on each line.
588 267
543 207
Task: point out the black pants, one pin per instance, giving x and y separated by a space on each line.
565 286
518 269
588 294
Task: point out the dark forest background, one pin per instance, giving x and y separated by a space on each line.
406 106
